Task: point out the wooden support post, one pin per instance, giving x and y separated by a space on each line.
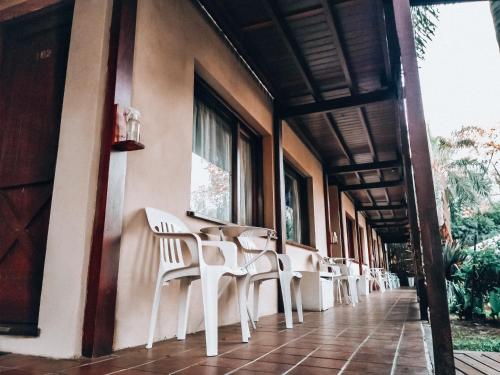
341 224
279 190
279 182
413 217
424 189
358 240
370 245
328 222
99 320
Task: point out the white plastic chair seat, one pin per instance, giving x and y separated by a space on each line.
171 232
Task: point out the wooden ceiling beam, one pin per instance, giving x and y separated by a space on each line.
371 185
388 220
365 167
387 207
353 101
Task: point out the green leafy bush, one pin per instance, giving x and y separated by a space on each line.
474 289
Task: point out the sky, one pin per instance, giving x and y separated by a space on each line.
460 75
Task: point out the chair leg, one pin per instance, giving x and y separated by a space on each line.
209 287
338 291
242 301
344 291
154 312
256 294
184 296
353 292
287 298
298 298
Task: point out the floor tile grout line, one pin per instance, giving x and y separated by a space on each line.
311 353
396 354
395 360
271 351
302 360
367 337
145 363
226 352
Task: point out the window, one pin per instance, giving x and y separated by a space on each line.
225 152
296 208
350 228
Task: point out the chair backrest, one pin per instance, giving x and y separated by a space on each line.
248 243
163 222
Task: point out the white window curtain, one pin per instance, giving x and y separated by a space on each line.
211 163
292 209
245 182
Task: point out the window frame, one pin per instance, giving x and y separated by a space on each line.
351 236
303 187
239 128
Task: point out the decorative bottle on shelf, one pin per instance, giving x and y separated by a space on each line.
133 124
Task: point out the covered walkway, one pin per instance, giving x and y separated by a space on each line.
381 335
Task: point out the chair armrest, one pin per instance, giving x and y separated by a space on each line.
229 251
192 241
286 261
270 254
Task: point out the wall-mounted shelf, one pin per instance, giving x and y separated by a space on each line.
127 146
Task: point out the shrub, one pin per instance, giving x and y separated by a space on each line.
476 284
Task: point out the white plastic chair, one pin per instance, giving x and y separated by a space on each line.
378 278
330 271
349 284
171 233
288 278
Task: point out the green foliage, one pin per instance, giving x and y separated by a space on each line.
425 19
475 284
464 229
453 256
494 302
475 343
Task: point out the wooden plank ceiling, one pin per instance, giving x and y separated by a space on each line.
331 67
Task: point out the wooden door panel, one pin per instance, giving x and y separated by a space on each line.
32 75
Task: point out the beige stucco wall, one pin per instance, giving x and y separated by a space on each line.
73 201
173 41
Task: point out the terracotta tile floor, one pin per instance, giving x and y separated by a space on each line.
382 335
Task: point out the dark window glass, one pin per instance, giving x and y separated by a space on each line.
296 210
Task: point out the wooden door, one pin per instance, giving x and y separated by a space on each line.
33 54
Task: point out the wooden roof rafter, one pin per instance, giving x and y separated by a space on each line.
342 55
287 37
